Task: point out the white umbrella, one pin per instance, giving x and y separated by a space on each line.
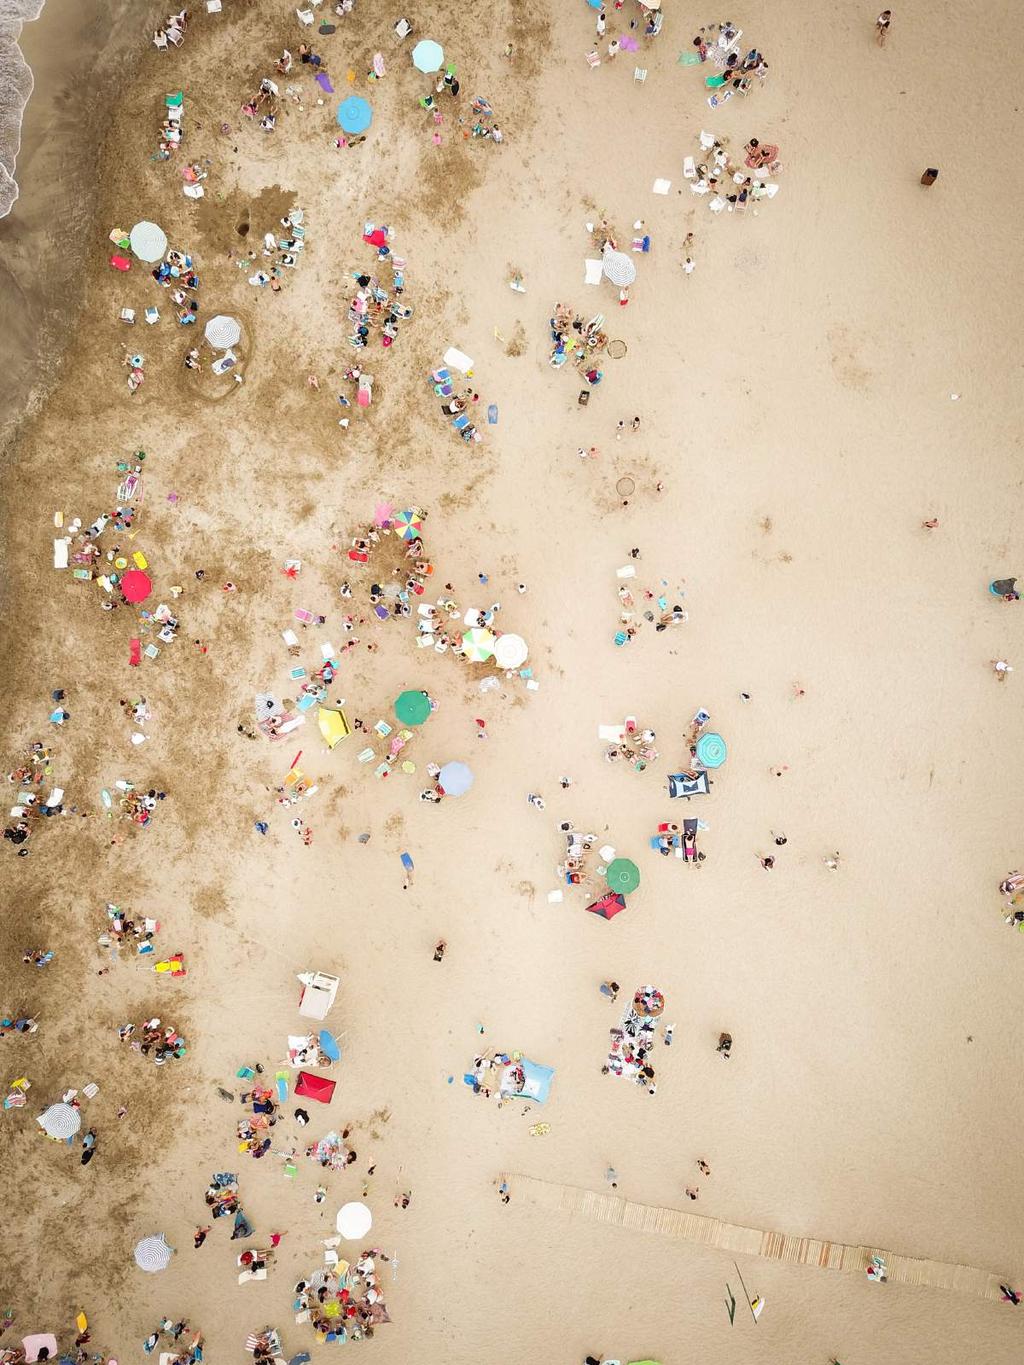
148 241
455 778
510 651
61 1121
223 331
618 267
354 1221
153 1253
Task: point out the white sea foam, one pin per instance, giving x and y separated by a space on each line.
15 88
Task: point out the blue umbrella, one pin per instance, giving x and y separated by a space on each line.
328 1046
354 114
711 750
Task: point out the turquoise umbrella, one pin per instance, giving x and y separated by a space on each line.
711 750
354 114
623 875
427 56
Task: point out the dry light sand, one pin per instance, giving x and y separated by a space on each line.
796 401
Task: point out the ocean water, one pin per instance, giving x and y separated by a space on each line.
15 88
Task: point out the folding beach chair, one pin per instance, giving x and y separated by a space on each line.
305 16
593 60
461 422
640 75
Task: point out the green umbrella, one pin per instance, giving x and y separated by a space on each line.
412 708
623 875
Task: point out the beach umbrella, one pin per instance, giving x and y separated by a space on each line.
148 241
317 1088
510 651
427 56
354 1221
34 1344
455 779
623 875
608 906
267 705
222 332
60 1121
412 708
333 725
478 644
136 586
153 1253
618 267
409 523
329 1046
354 114
711 750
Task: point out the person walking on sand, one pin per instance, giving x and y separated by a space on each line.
703 1166
882 26
724 1045
692 1193
930 524
612 1176
439 949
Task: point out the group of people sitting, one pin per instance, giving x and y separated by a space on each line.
173 30
343 1302
717 174
581 341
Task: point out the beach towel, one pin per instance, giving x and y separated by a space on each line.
324 82
594 270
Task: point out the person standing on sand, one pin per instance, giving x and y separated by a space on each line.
882 26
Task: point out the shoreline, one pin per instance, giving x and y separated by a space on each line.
46 235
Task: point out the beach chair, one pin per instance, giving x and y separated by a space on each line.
176 36
305 16
402 29
160 40
639 75
717 204
593 60
689 168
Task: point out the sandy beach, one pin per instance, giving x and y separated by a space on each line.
841 366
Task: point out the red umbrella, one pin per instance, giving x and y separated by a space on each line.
315 1087
136 585
608 906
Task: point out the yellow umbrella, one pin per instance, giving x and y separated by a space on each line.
333 726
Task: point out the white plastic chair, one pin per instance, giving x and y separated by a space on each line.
305 16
